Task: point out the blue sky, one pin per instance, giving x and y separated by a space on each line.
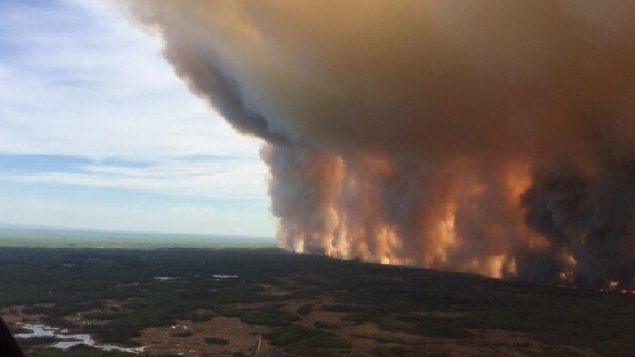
97 132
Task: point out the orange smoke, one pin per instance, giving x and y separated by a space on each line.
376 210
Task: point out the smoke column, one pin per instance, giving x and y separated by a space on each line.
490 136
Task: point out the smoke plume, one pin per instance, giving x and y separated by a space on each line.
490 136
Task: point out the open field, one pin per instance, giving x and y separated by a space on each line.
206 302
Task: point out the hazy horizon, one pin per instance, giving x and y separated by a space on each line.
60 230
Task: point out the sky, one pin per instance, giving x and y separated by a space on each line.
97 132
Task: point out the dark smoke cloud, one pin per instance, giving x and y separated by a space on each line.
494 136
589 216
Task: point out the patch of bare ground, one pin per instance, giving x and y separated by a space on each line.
367 336
175 340
479 343
316 312
16 313
292 306
508 343
363 337
272 290
282 288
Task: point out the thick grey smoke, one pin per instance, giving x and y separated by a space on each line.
494 136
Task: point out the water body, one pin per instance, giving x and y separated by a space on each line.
215 276
68 341
224 276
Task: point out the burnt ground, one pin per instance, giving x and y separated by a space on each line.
268 302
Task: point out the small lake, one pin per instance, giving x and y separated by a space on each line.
67 341
224 276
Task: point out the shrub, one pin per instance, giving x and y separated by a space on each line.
216 341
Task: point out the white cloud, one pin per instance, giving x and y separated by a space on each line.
99 87
82 81
227 178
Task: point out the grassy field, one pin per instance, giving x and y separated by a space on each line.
229 301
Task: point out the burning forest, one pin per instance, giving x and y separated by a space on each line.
490 136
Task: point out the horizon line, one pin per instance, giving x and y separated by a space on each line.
25 227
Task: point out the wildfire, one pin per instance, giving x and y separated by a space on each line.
428 134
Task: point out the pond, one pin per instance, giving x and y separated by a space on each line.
70 340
